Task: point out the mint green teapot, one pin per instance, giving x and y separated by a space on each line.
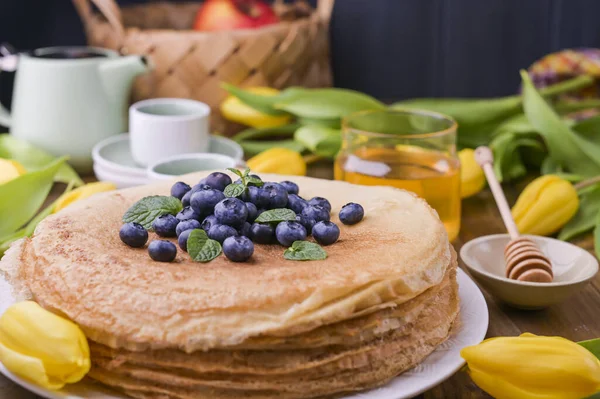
66 99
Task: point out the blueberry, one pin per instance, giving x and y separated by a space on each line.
200 187
316 212
208 222
220 232
262 233
165 225
238 249
320 201
257 196
288 232
252 211
232 212
204 201
217 180
296 203
278 196
182 239
188 213
245 229
188 196
187 225
307 222
162 251
133 234
180 189
185 201
290 186
351 213
326 233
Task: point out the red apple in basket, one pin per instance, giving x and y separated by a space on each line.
234 14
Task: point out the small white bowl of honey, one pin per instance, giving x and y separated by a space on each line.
573 267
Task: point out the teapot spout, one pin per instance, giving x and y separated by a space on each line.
117 75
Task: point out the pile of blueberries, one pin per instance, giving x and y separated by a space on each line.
230 221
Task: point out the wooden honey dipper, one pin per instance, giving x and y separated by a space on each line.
524 260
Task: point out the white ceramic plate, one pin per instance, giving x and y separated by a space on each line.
440 365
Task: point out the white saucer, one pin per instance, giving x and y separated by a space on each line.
440 365
113 160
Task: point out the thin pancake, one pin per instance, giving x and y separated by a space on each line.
217 368
77 266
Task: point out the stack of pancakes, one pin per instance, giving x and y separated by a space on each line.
384 299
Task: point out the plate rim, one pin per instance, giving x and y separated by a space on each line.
476 300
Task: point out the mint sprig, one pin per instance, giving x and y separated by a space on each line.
276 216
236 189
305 250
149 208
201 248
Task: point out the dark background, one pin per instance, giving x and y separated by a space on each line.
392 49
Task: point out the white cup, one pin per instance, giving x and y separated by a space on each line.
165 127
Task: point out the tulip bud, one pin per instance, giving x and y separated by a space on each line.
42 347
278 160
545 206
529 366
10 169
233 109
82 192
472 179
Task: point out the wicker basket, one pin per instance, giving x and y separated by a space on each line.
192 64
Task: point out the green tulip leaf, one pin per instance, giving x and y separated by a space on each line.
550 167
335 123
260 102
33 158
585 218
28 230
22 197
481 118
264 133
467 111
574 152
589 127
508 161
328 103
322 141
252 148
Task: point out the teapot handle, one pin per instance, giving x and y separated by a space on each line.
8 63
109 8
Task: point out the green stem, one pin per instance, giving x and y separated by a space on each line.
587 182
572 106
568 85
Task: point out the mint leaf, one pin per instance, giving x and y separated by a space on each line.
201 248
234 190
149 208
246 172
254 181
304 250
236 171
276 215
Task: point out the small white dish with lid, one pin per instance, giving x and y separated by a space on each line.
113 160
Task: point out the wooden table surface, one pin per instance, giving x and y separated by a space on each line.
576 319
